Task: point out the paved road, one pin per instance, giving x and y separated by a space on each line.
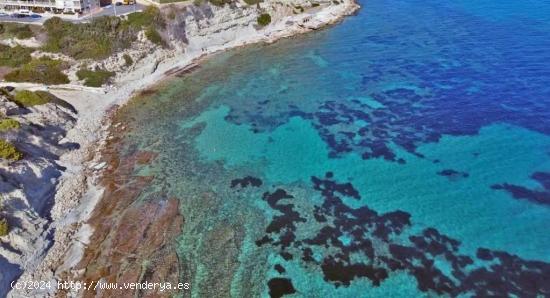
104 11
120 10
21 20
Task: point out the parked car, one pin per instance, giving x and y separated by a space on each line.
25 12
124 2
22 13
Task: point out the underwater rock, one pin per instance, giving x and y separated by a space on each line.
278 287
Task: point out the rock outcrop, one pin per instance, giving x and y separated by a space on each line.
208 26
27 186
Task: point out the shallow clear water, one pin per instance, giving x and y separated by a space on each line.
403 152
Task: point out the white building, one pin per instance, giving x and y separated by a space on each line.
55 6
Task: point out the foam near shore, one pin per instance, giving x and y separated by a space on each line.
77 190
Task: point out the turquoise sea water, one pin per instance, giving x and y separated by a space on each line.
404 152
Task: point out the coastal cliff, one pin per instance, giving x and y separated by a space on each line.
28 180
59 185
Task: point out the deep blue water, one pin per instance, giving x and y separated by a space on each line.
403 152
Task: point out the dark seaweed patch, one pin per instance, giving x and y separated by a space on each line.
284 225
453 174
246 181
342 273
278 287
279 268
438 96
346 242
523 193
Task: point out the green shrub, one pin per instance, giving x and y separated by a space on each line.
128 61
43 70
23 32
150 16
9 124
4 228
9 152
252 2
94 78
299 8
264 19
152 35
14 57
100 38
94 40
20 31
220 2
56 30
170 1
26 98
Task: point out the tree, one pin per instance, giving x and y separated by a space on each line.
264 19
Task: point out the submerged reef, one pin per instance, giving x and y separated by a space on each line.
354 243
523 193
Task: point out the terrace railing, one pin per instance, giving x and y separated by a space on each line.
30 3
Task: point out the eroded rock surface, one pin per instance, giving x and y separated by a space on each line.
27 186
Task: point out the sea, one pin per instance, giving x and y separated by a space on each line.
404 152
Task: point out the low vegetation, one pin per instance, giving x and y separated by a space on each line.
26 98
87 40
223 2
4 228
139 20
100 38
220 2
153 35
20 31
43 70
264 19
9 152
94 78
9 124
14 57
128 61
169 1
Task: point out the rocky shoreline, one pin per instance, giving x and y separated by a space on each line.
83 183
